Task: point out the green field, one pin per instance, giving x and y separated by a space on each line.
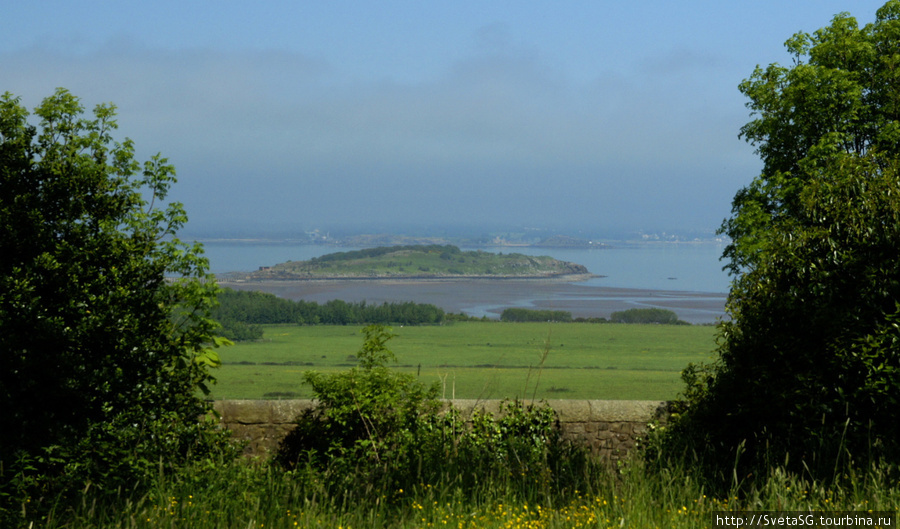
486 360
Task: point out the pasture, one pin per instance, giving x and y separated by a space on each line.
480 360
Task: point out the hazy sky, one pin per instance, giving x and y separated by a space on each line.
610 116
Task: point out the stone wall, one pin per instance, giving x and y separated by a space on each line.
609 427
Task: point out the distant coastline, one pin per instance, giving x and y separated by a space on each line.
376 240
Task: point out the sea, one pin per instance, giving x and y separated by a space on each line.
673 266
686 278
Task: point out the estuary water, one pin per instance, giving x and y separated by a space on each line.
684 277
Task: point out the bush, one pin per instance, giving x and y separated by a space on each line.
375 431
369 421
652 315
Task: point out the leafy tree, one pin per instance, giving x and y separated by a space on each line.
105 337
841 97
809 367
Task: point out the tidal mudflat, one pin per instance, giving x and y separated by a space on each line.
490 297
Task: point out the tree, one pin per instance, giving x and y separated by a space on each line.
844 99
105 337
809 363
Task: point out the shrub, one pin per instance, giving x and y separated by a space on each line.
649 315
375 431
369 420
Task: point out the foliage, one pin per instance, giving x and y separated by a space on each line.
462 316
649 315
366 417
382 430
105 335
809 367
521 447
369 253
238 494
518 314
590 320
839 104
238 331
251 308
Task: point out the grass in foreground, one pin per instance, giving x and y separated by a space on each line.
432 470
482 359
246 495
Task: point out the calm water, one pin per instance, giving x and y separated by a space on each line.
691 267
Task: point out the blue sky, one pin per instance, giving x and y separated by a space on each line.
609 117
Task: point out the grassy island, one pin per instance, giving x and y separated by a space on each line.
419 262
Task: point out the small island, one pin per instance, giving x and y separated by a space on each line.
418 262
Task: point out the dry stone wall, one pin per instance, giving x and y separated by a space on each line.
609 427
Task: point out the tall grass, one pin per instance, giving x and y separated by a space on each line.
247 494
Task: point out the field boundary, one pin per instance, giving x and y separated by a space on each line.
610 428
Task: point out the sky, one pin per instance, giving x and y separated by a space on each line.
604 117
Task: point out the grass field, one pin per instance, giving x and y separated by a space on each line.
487 360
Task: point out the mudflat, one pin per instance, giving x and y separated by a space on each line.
479 297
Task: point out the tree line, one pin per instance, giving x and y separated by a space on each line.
523 315
646 316
242 312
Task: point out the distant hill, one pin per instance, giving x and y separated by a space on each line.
418 262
